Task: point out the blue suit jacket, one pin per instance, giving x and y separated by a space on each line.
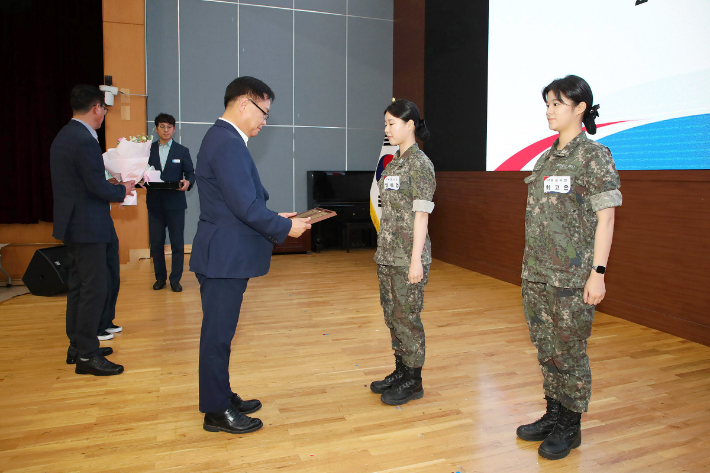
178 166
82 213
236 232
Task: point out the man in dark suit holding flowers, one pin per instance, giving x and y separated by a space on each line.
82 220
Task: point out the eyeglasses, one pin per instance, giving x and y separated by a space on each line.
103 105
266 115
166 127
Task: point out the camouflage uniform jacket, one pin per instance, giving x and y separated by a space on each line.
407 186
560 227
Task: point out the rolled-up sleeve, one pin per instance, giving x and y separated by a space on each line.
423 206
606 200
423 186
603 180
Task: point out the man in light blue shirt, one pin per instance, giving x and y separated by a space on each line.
166 207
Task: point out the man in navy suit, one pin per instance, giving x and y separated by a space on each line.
166 208
234 241
82 220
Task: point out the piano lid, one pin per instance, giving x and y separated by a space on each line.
340 186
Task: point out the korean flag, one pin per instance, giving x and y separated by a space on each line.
386 156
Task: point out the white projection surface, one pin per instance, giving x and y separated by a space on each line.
648 67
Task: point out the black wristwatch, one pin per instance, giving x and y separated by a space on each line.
599 269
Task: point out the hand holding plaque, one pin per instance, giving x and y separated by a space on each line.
316 215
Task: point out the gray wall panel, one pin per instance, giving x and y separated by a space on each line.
364 148
369 72
271 58
208 50
320 69
372 8
330 6
317 149
273 3
192 138
162 57
302 56
272 151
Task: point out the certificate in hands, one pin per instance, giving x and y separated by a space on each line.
317 214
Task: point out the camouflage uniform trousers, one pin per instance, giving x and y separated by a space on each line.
402 303
560 323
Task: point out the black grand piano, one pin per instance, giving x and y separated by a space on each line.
348 194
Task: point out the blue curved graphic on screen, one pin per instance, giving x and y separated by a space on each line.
678 143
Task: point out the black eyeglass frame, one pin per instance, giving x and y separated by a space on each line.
266 114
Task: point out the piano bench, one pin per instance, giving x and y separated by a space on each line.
360 225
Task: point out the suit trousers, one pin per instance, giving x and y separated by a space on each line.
113 265
221 303
88 290
174 220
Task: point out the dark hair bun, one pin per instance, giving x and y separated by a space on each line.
421 131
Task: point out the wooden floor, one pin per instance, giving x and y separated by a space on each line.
310 340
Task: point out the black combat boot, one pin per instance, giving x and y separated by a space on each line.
391 379
541 428
407 389
566 435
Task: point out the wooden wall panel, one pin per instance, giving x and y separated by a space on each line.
25 240
124 59
408 49
124 11
478 222
658 273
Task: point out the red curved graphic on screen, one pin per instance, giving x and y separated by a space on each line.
518 161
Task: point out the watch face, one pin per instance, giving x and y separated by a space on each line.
600 269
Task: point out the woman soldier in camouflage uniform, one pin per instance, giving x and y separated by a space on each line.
569 223
404 251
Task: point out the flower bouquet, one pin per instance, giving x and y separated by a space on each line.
128 161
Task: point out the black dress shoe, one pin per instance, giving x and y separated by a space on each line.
159 284
98 366
245 407
73 353
231 421
176 287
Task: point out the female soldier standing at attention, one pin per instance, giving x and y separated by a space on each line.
404 251
569 224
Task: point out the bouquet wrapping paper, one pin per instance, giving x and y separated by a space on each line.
127 162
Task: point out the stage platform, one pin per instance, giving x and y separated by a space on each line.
310 340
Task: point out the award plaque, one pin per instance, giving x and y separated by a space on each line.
317 214
170 185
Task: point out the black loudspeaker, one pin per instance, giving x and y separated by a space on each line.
48 272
